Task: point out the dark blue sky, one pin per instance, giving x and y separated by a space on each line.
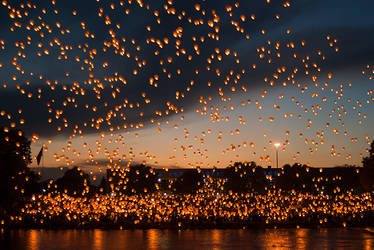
89 69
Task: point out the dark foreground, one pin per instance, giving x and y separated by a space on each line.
331 238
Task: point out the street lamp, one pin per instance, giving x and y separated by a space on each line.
277 145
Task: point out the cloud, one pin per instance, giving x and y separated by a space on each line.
105 162
355 44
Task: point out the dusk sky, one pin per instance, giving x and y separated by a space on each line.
189 83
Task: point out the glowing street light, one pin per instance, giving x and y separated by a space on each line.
277 145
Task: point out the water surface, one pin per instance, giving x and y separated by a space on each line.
332 238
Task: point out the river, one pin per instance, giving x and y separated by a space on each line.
331 238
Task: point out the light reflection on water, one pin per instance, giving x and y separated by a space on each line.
216 239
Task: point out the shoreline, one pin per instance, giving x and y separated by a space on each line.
191 226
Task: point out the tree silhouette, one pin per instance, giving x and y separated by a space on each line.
189 182
296 177
137 179
245 177
16 179
368 162
367 173
74 182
